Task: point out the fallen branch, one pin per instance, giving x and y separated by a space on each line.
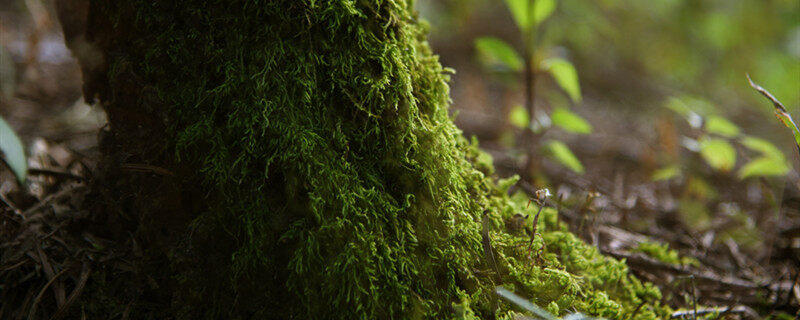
644 261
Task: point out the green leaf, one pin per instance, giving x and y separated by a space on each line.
666 173
564 155
524 10
721 126
570 121
780 111
677 105
764 167
494 50
719 154
683 109
771 162
692 109
542 9
565 75
519 117
787 121
11 146
764 147
519 9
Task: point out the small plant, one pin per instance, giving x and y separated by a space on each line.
14 153
717 140
499 56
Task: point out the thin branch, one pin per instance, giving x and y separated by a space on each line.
700 312
778 105
55 173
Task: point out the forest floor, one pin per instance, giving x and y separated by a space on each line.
742 259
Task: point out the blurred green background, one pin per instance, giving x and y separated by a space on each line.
661 80
650 49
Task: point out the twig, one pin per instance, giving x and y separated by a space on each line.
780 111
541 199
55 173
58 288
529 44
778 105
141 167
533 230
11 205
650 263
16 265
51 198
695 313
75 293
41 293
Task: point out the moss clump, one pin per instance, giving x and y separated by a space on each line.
332 182
663 253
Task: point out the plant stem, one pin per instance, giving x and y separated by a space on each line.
529 39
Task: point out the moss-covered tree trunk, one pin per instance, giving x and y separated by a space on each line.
295 159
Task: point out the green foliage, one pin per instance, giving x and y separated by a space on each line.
570 121
564 155
763 147
787 121
13 151
721 126
780 111
529 13
708 56
566 272
691 109
519 117
495 51
542 9
771 161
663 253
565 75
764 167
718 153
666 173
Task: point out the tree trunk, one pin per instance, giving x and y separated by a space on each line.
295 159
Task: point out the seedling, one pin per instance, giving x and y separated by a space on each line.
530 62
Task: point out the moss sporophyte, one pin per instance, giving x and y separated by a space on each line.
332 181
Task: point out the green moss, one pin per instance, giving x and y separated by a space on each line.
335 183
663 253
